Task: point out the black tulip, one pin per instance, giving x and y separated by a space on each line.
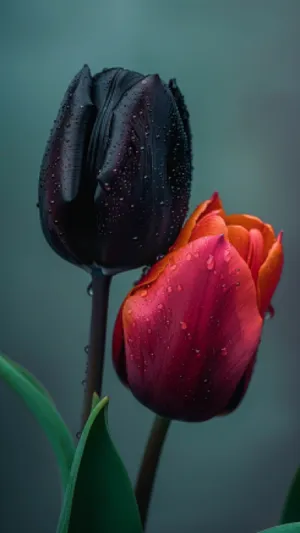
116 174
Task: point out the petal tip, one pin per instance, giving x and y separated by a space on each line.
280 237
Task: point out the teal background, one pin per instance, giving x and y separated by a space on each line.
237 63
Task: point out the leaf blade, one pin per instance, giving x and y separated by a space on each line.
291 509
284 528
38 401
99 497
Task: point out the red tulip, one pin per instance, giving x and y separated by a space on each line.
186 336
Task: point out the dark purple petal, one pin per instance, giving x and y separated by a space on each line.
65 199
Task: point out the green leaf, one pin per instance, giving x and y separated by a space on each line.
26 374
99 498
41 405
291 509
285 528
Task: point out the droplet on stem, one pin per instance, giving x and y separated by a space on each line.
89 289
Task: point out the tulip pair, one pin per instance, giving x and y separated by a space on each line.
186 336
113 194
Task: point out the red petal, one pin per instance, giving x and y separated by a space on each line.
242 387
211 224
190 336
118 347
213 204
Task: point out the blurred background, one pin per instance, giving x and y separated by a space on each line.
237 63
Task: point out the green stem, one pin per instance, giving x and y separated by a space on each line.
96 350
146 477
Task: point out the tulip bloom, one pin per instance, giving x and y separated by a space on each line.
116 174
186 336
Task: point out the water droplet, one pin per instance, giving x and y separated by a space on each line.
149 330
183 325
89 289
227 256
144 293
238 283
224 287
129 311
135 238
78 435
210 263
205 380
86 349
224 351
179 288
170 289
160 306
173 267
268 315
197 352
189 257
83 382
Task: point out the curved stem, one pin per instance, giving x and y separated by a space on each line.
96 350
149 466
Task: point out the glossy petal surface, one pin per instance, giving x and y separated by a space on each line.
211 224
191 335
139 199
240 239
250 222
213 204
116 174
66 209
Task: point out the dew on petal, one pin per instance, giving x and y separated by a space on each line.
210 263
189 257
179 288
149 330
183 325
224 351
160 306
170 289
173 267
227 256
144 293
